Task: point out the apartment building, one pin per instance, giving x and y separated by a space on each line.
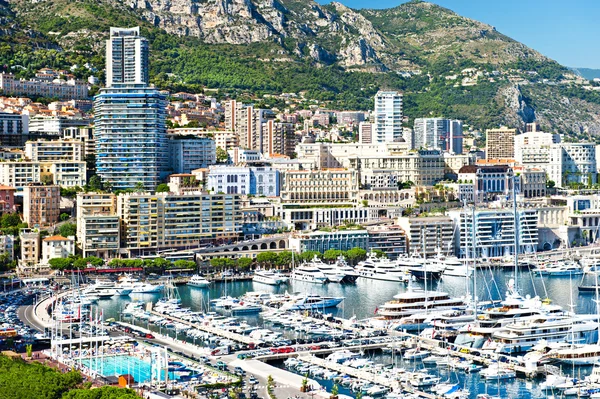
151 222
365 133
500 143
278 138
226 140
41 205
533 148
7 199
187 153
439 134
389 239
19 174
7 246
494 232
387 126
12 129
428 235
34 88
573 163
54 150
98 225
57 247
30 248
83 134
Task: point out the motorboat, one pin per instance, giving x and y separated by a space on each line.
138 287
198 281
333 272
349 272
562 268
102 286
497 372
311 302
576 354
269 277
416 353
376 268
416 300
309 274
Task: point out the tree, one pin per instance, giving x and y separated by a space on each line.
64 216
10 220
266 259
244 263
332 254
184 264
163 188
222 155
47 179
60 263
356 255
550 184
284 259
67 229
379 253
139 187
95 183
309 255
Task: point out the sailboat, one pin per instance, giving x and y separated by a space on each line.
171 293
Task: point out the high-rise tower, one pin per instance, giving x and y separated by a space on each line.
126 57
387 125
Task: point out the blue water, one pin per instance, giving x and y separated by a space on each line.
118 365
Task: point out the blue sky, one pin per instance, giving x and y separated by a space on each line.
567 31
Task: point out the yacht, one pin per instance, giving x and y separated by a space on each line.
456 268
198 281
381 269
269 277
522 335
311 302
309 274
416 300
334 273
559 269
344 267
576 354
102 287
137 287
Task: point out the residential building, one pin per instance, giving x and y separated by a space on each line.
55 125
226 140
126 57
12 129
41 205
428 235
34 88
131 136
7 246
389 239
98 225
500 143
19 174
182 183
83 134
320 187
278 138
188 153
239 155
321 241
489 182
494 232
438 134
573 163
244 180
365 133
54 150
152 222
533 182
57 247
388 115
533 148
30 248
7 199
130 117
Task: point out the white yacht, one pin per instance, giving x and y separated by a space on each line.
311 302
198 281
381 269
269 277
344 267
309 274
103 287
334 272
416 300
587 354
523 334
137 287
456 268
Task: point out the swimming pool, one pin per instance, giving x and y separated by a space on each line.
118 365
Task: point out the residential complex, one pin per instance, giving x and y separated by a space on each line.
36 88
41 205
387 126
500 143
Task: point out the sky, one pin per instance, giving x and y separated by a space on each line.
566 31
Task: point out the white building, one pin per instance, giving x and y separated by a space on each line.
387 117
19 174
54 150
57 247
365 133
573 163
7 246
126 57
187 154
244 180
533 148
494 232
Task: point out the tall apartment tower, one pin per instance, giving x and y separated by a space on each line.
500 143
438 133
388 117
130 117
126 57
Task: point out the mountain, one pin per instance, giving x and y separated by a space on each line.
446 64
587 73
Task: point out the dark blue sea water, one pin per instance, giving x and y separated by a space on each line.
366 295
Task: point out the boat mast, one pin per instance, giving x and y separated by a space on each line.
473 257
516 220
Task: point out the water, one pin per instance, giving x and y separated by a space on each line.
363 298
118 365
